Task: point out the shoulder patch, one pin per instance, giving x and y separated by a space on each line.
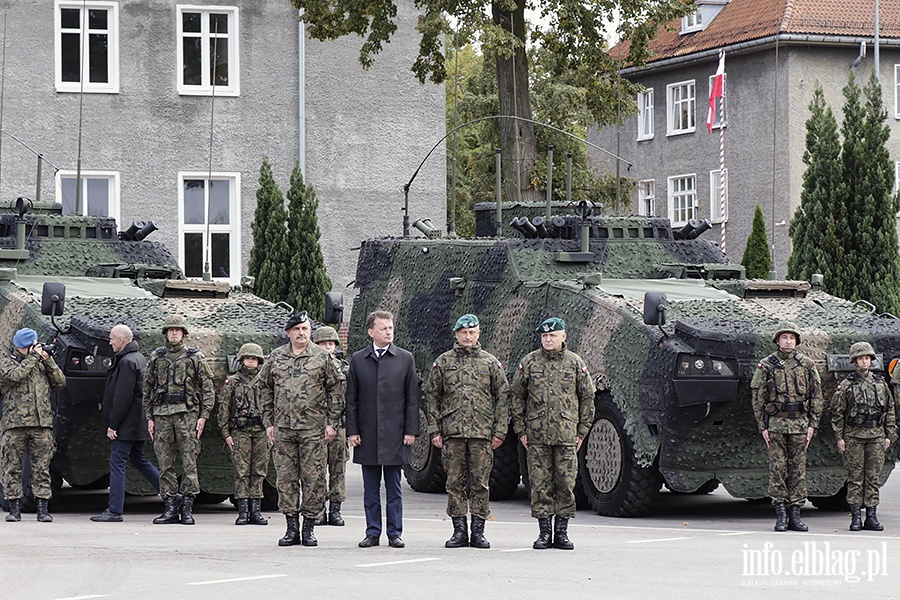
434 365
520 366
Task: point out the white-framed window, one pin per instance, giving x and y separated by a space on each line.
646 197
681 100
208 52
99 193
87 46
645 115
723 101
209 209
692 22
715 197
682 199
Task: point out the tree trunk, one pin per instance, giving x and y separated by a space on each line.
517 143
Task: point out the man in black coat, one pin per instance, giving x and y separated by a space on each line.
382 423
126 425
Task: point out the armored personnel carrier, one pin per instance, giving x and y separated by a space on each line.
99 277
670 331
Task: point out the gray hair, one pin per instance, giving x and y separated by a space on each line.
122 331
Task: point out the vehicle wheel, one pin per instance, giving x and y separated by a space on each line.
707 488
835 503
505 474
425 473
615 486
270 496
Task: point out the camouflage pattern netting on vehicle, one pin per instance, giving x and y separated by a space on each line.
673 401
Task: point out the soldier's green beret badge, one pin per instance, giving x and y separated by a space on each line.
551 324
466 322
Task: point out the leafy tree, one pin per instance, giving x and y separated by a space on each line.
757 260
573 32
268 258
308 279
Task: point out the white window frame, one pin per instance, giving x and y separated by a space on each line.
645 208
692 22
673 104
716 123
112 43
715 208
645 115
234 64
115 199
897 91
233 228
690 212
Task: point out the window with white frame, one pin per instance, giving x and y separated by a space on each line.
99 193
681 99
208 50
720 115
682 199
715 196
646 197
692 22
209 219
645 114
87 46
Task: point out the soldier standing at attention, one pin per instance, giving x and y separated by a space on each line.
865 426
26 378
336 450
300 387
787 403
178 399
552 409
240 420
466 400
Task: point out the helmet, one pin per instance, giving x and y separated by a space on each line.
250 350
326 334
173 321
786 327
861 349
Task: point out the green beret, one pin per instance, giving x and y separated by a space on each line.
551 324
466 322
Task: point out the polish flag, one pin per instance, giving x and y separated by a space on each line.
716 91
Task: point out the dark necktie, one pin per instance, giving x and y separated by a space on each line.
379 352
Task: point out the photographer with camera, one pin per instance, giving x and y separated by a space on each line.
26 378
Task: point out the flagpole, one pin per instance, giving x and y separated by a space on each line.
722 163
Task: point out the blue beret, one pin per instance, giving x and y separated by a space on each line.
551 324
296 319
24 338
466 322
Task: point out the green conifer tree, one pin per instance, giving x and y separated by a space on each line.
308 279
851 216
757 260
269 256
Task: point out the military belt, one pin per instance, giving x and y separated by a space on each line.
244 422
789 414
793 407
173 398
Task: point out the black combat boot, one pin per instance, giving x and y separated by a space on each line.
243 511
561 539
780 517
15 511
256 517
187 510
460 537
306 536
855 518
169 515
334 514
794 522
292 535
477 539
545 538
322 519
872 523
44 517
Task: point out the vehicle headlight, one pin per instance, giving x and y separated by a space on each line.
690 365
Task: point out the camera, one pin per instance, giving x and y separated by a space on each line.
49 348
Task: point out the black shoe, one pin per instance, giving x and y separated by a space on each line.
15 511
561 539
477 540
369 541
169 515
320 520
243 506
781 520
292 535
460 537
794 522
872 523
306 536
42 514
256 517
855 518
334 514
107 516
545 539
187 510
396 542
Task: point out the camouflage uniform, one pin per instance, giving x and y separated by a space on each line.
337 452
240 418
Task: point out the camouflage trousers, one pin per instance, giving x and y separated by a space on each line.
552 471
300 465
40 445
337 466
250 456
176 435
468 463
863 458
787 468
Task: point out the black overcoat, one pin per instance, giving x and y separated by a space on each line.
382 405
122 396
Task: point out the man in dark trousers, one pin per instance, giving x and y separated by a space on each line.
382 423
124 419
